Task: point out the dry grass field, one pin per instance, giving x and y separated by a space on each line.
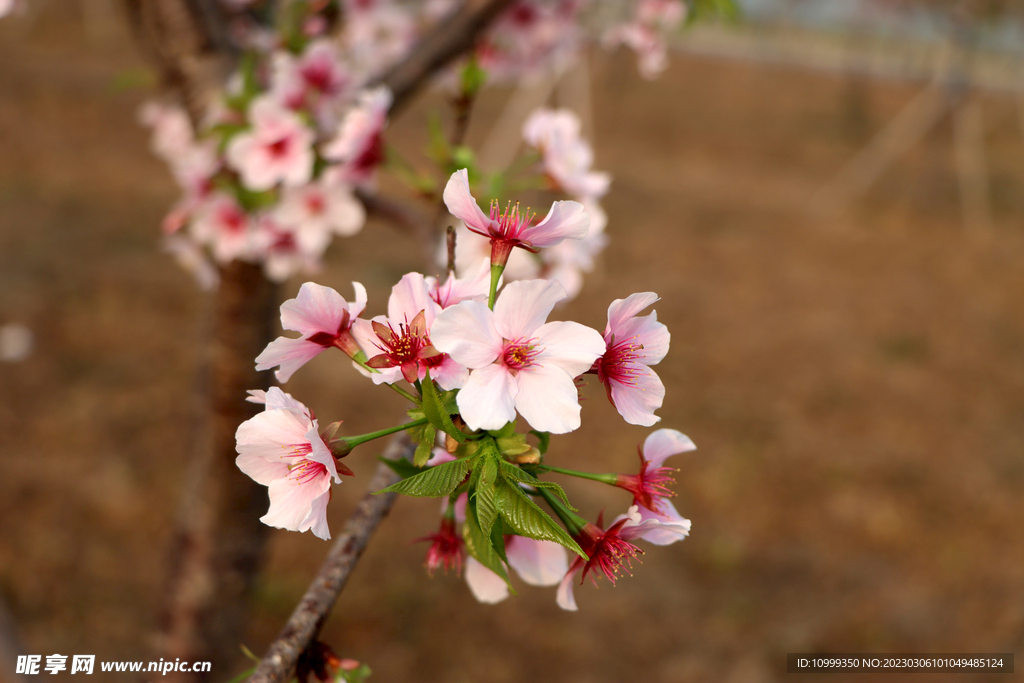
854 382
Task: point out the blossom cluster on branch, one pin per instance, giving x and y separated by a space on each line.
490 380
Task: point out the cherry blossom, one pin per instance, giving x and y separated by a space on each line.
611 550
357 147
225 226
646 33
281 448
277 149
314 79
509 229
566 156
399 345
315 211
454 290
538 563
633 344
445 548
323 318
650 486
519 362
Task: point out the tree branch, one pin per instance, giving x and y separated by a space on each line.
304 625
451 38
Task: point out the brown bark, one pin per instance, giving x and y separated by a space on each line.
304 625
218 542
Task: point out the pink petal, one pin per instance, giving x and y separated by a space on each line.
450 374
637 402
261 470
270 434
315 309
547 399
317 519
659 529
564 595
289 354
622 310
486 586
570 346
524 306
410 296
565 220
538 563
466 332
487 401
460 202
649 333
662 443
291 503
321 453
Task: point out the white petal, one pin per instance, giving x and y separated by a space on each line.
410 296
662 443
538 563
270 434
486 586
460 202
317 519
570 346
290 503
261 470
547 398
622 310
487 401
524 306
647 332
660 528
565 220
466 332
564 595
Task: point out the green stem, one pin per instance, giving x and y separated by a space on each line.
354 441
402 392
496 272
360 358
573 522
610 479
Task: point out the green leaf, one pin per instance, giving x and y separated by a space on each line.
526 517
545 440
485 490
434 482
426 445
481 546
517 475
401 467
435 411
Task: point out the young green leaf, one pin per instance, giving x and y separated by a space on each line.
434 482
545 440
481 546
517 475
424 447
435 411
529 520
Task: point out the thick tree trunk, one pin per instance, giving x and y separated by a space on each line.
218 543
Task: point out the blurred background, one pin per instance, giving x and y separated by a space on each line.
829 198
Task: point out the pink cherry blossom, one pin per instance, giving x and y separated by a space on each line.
611 551
530 39
568 261
281 448
633 344
323 318
313 79
316 211
538 563
646 33
277 149
377 34
225 227
519 362
357 147
509 229
473 287
445 548
566 156
399 345
473 255
649 486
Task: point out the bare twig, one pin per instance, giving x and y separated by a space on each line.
450 235
453 37
304 625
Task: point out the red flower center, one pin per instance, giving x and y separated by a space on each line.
520 354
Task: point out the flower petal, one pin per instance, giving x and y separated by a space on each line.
570 346
315 309
647 332
565 220
460 202
662 443
538 563
564 595
524 306
291 503
637 401
486 586
466 332
547 399
289 354
622 310
487 401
